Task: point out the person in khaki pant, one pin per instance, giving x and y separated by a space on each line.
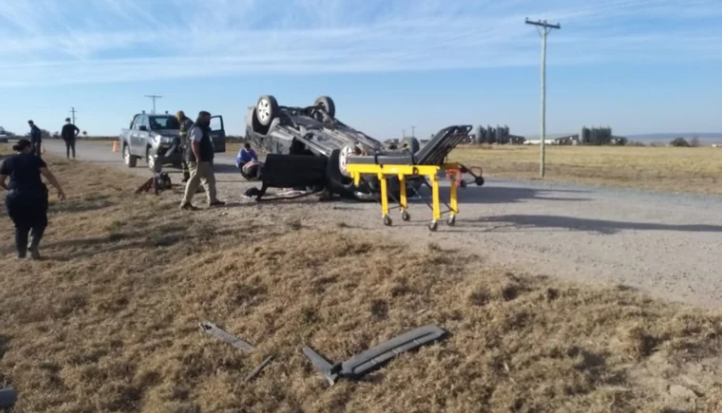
199 156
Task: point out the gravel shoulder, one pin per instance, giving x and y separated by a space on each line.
663 244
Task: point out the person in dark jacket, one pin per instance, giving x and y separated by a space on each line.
36 137
199 155
69 133
185 127
27 197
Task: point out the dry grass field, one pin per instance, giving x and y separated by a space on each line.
107 322
696 170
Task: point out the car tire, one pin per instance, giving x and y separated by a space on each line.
266 110
130 160
412 143
150 161
327 104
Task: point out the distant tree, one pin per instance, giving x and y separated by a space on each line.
679 143
56 135
85 134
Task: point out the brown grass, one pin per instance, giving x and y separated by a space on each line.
696 170
108 322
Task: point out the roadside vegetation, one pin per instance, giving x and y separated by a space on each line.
108 322
679 169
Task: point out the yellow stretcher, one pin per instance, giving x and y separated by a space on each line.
431 172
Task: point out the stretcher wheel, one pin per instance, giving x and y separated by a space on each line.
462 184
433 225
405 216
451 220
387 220
479 181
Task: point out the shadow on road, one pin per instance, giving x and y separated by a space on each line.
506 195
224 168
585 224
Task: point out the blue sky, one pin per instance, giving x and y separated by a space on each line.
638 66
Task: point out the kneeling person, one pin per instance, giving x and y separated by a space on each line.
247 162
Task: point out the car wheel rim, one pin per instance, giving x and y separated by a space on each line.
127 154
263 110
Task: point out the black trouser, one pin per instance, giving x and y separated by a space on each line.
29 212
69 145
36 148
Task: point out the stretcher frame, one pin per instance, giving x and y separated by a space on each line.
430 172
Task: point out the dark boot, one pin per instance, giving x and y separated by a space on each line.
21 241
34 246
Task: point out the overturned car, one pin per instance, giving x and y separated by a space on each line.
309 146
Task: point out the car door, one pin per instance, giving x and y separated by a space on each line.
143 134
218 134
133 135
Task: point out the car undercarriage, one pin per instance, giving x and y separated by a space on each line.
289 134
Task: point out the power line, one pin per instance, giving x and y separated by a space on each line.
154 97
544 29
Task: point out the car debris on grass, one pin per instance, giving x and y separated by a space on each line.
367 361
215 331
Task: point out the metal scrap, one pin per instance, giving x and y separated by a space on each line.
365 362
215 331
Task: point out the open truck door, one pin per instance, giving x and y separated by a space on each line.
218 134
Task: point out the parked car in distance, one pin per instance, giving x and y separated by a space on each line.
150 136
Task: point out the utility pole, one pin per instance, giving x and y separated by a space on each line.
403 133
154 97
413 134
73 111
544 29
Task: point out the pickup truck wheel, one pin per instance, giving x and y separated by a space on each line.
150 160
266 110
412 143
327 104
130 160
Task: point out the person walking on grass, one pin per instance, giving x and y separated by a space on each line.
36 138
69 133
27 197
199 155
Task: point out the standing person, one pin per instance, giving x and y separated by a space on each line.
185 126
69 133
36 137
199 155
27 197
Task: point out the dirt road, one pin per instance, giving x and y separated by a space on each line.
665 244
